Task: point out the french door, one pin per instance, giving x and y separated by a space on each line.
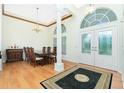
87 41
99 47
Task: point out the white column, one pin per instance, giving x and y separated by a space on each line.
59 66
0 35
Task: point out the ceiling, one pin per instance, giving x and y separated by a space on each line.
47 13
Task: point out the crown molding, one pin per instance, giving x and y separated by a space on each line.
30 21
63 18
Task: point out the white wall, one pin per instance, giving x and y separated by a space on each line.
20 33
121 47
73 30
73 34
72 39
0 23
0 34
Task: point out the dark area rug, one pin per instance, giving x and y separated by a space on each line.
69 81
79 77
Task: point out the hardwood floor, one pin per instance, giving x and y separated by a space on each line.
23 75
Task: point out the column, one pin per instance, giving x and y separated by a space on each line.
59 66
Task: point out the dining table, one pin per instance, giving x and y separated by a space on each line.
44 55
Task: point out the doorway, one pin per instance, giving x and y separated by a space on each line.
99 47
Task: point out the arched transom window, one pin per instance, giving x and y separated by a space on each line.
99 16
63 29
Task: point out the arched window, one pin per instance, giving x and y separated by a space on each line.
99 16
63 39
63 29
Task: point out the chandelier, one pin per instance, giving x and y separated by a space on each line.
91 8
37 26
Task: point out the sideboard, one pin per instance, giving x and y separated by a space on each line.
14 55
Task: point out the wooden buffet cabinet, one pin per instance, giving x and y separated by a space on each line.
14 55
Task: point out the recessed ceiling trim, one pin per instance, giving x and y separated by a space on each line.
6 13
63 18
19 18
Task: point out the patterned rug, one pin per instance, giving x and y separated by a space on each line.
79 77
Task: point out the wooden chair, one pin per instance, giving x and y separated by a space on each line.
48 50
33 59
51 55
44 55
26 50
54 53
28 54
41 54
44 50
25 53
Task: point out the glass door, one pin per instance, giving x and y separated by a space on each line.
104 48
99 47
105 43
87 43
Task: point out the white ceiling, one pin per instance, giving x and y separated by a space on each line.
46 14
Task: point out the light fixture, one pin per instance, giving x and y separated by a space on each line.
91 9
79 5
37 26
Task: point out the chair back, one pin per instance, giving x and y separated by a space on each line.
31 55
24 48
27 54
48 50
44 50
54 51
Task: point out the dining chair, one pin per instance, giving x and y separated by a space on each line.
25 59
44 50
27 50
54 53
48 50
33 59
51 55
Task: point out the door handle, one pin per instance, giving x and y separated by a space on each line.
94 48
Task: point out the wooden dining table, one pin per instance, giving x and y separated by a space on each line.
44 55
